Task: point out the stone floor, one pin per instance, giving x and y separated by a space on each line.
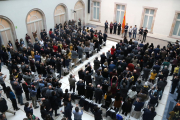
65 85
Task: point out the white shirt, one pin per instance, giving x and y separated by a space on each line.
130 30
132 94
41 43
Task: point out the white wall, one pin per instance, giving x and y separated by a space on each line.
164 17
17 11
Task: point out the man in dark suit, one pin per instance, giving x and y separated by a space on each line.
80 87
149 114
98 94
115 27
89 91
175 81
106 26
146 73
103 58
126 29
87 78
81 74
18 91
156 67
165 72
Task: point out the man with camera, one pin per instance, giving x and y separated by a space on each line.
33 91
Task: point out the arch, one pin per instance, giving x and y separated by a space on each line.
7 30
60 13
35 21
80 11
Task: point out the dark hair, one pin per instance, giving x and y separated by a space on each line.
152 109
77 109
155 94
42 107
66 91
133 88
26 104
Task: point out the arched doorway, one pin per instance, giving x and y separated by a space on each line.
60 14
35 23
7 31
80 12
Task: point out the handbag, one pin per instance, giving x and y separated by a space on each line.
105 96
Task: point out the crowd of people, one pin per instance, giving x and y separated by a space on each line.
127 75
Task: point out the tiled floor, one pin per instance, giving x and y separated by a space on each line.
65 85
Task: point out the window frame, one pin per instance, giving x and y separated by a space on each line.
115 10
96 10
92 10
173 26
143 16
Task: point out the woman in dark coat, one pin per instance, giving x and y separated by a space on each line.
54 103
32 65
117 103
126 107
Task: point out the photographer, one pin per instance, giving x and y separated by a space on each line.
33 91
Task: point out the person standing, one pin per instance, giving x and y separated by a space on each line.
175 81
54 102
126 29
98 94
130 31
149 114
106 26
67 111
145 34
12 97
72 82
115 27
78 114
4 107
119 28
137 109
111 27
33 92
140 33
2 79
18 91
105 38
134 32
97 113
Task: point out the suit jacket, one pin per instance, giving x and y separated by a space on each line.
148 115
146 72
98 93
103 58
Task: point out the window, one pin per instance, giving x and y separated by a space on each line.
176 30
96 6
148 18
120 13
